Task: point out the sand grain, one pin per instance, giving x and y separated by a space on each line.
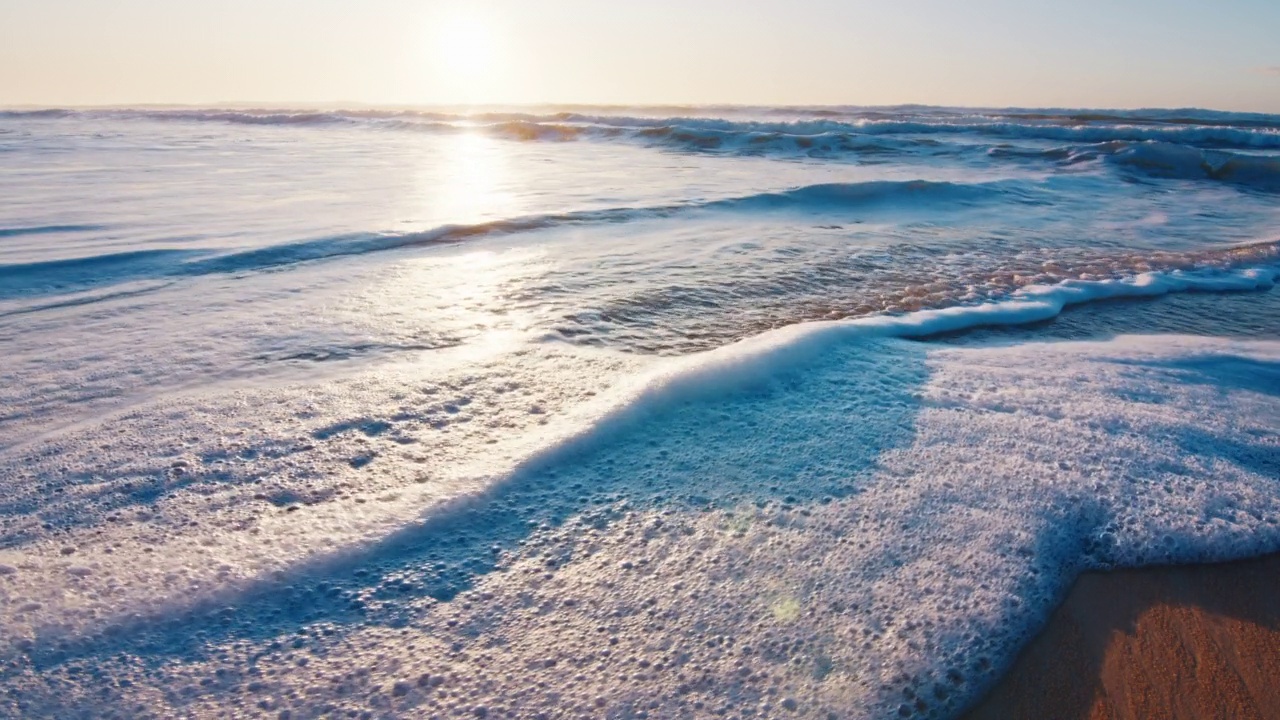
1176 642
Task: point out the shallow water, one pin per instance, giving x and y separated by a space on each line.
390 412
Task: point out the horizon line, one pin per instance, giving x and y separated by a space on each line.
346 104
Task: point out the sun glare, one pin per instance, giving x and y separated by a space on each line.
466 48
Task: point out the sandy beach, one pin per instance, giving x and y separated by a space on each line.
1173 642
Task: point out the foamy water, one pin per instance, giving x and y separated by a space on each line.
620 413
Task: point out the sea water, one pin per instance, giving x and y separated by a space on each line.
612 412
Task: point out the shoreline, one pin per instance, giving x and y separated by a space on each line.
1170 642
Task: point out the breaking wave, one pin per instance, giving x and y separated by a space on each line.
1166 160
1156 159
815 131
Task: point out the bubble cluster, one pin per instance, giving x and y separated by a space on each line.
817 526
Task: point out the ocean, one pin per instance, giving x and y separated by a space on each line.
652 412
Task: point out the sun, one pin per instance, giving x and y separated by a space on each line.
466 48
465 61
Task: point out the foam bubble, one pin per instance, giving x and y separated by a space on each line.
815 522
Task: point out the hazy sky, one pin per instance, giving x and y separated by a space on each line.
1098 53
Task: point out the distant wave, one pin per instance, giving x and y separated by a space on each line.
7 232
1166 160
1155 159
920 193
1215 135
80 273
43 113
53 277
830 196
805 131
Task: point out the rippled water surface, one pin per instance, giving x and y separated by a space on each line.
383 412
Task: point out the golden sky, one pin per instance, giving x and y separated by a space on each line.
1096 53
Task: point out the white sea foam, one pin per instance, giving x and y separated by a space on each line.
869 530
803 520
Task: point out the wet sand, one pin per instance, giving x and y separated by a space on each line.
1169 643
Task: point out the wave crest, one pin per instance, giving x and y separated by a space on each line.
1165 160
806 131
